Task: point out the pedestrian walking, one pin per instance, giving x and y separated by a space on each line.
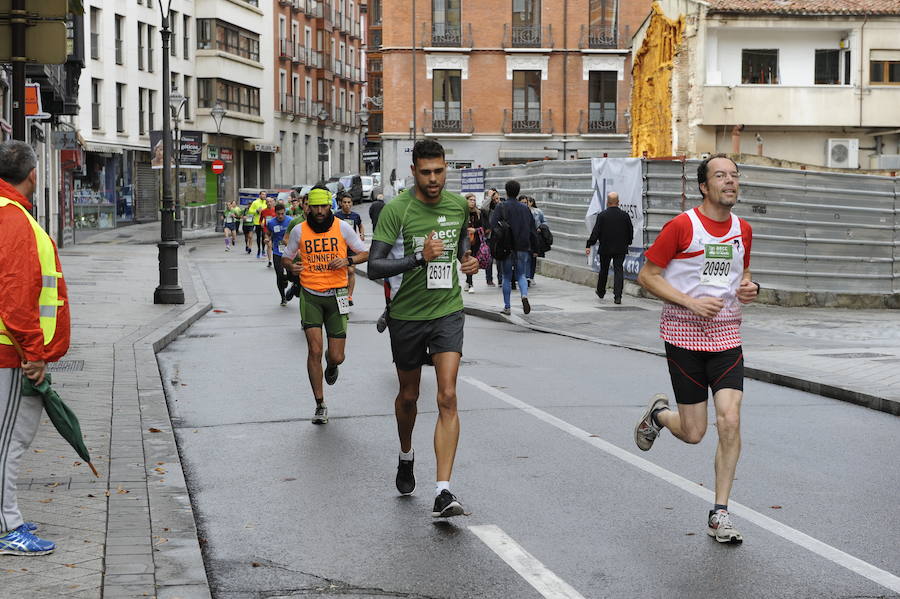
34 311
421 235
356 189
320 245
375 210
347 214
524 243
539 221
699 266
475 232
614 231
491 201
276 228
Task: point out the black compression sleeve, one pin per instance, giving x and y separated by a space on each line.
464 245
380 266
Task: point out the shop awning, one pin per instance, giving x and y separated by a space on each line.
91 146
527 153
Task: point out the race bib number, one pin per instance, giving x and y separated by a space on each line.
342 296
716 264
440 274
276 229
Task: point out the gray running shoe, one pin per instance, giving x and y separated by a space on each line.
331 374
721 529
321 415
506 311
646 431
381 325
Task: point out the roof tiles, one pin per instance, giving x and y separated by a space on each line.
807 7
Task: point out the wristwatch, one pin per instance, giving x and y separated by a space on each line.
349 261
420 258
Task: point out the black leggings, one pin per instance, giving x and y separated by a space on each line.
259 238
281 275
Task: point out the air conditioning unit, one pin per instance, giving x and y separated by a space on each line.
843 153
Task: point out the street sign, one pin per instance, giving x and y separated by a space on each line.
218 167
46 9
227 154
45 42
370 154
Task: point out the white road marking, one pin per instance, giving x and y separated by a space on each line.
833 554
534 572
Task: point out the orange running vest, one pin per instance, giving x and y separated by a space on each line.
316 251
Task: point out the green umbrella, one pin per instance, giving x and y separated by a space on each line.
61 415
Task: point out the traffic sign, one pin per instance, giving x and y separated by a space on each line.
45 42
218 167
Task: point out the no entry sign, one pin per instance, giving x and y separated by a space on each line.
218 167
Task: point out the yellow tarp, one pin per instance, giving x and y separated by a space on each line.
651 98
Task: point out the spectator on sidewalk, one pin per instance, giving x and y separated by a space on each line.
614 231
375 209
539 220
475 232
524 243
34 311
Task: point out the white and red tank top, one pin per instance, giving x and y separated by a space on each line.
711 266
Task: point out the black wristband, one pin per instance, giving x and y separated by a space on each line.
349 261
758 287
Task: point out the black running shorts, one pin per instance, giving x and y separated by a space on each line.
693 372
412 341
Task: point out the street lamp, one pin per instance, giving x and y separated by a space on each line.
218 113
322 116
168 291
364 129
176 103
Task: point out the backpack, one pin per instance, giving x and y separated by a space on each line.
545 238
501 240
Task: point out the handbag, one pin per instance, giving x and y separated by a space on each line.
484 251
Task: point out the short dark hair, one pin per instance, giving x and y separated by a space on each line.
279 206
344 194
512 189
427 148
17 160
703 169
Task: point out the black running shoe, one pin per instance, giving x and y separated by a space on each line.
526 307
381 325
331 374
446 505
406 480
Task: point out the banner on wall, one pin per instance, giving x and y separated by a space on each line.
191 149
623 176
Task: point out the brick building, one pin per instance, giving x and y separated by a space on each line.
509 81
318 86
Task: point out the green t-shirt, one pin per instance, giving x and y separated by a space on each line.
405 222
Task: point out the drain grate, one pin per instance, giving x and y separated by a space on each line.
66 366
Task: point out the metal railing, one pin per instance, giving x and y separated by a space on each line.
300 106
286 104
452 120
314 59
527 36
299 53
596 121
527 120
443 35
598 36
297 5
284 48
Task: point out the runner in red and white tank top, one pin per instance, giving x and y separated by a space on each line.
699 266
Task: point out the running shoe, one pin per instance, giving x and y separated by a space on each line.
406 480
381 324
22 542
446 505
292 292
321 415
471 289
721 529
331 374
490 284
269 265
646 431
247 247
506 311
30 526
526 307
258 255
284 302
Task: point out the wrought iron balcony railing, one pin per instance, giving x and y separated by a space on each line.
299 53
597 120
527 36
527 120
300 106
598 36
448 120
284 48
444 35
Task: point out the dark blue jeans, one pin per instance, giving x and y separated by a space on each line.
520 260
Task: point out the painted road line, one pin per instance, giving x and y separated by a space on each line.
833 554
526 565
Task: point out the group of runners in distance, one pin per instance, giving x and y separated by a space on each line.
699 266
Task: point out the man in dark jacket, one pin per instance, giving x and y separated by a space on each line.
614 231
524 236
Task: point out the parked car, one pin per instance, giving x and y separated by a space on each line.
368 183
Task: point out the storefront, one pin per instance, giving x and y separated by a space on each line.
100 193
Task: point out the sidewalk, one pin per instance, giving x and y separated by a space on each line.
131 532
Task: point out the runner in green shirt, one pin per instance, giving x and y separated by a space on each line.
421 234
231 219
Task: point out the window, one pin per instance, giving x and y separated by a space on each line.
526 13
142 109
120 51
341 154
120 107
213 34
526 114
95 103
151 101
884 67
445 25
282 90
140 41
95 33
173 44
828 67
232 96
187 36
375 13
187 98
151 31
602 28
602 101
759 67
205 31
377 85
447 100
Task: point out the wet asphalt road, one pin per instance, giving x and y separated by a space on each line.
290 509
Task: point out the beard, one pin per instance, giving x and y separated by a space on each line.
320 224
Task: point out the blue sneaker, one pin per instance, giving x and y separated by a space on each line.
30 526
22 542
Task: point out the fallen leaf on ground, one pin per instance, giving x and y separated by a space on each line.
161 541
121 491
45 500
154 430
594 435
775 507
255 564
160 470
38 451
77 464
290 478
90 495
690 534
69 565
160 463
220 311
107 492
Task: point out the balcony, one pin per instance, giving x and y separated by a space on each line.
782 106
284 49
297 6
596 120
339 19
310 9
286 103
314 59
527 36
452 120
320 108
597 37
442 35
532 121
300 106
299 53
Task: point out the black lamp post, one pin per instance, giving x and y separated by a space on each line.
176 103
168 291
218 113
322 116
